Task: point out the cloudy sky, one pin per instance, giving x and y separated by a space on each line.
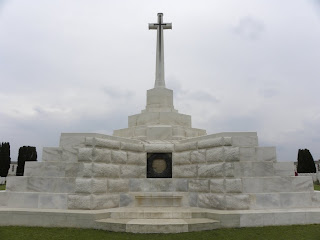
84 66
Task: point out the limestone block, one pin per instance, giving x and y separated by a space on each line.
180 147
178 131
119 157
85 170
173 118
126 200
196 185
106 170
215 142
107 143
89 141
159 132
132 171
151 185
148 118
233 185
237 202
181 158
53 201
252 185
118 185
184 171
3 198
85 155
52 154
191 132
211 200
248 154
295 200
99 185
137 158
245 141
198 156
266 154
159 98
83 185
69 140
193 199
231 154
284 168
132 120
105 201
215 154
79 201
23 200
217 185
262 169
34 168
17 184
125 133
102 155
266 201
180 185
69 154
140 131
132 147
54 169
227 141
302 184
72 169
159 147
253 169
211 170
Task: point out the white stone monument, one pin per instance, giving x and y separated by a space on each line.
159 175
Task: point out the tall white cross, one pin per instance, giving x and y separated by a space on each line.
160 55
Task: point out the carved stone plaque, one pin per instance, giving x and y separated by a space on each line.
159 165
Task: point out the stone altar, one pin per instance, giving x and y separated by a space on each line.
101 181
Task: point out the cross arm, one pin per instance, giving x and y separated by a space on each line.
164 25
153 26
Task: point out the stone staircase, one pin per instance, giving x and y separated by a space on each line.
156 220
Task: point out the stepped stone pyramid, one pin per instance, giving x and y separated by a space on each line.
159 175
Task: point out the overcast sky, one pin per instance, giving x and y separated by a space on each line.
84 66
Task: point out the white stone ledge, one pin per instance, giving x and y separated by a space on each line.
159 148
132 147
180 147
215 142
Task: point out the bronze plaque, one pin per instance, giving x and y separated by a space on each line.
159 165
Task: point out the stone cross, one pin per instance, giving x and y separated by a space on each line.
159 82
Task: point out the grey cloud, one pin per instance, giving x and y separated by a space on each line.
268 92
249 28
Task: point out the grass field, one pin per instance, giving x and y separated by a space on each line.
316 187
306 232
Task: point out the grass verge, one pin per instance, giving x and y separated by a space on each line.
297 232
316 187
2 187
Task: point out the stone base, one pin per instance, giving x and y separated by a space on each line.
157 219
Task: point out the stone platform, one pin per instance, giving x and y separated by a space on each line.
157 219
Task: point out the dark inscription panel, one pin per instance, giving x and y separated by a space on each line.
159 165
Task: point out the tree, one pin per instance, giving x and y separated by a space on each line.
5 159
26 153
305 162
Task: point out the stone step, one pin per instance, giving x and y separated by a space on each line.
163 225
155 213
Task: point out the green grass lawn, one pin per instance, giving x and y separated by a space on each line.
306 232
2 187
316 187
